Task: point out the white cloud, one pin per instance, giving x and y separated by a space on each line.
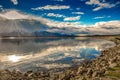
77 12
77 8
101 5
55 15
91 2
1 6
63 24
15 2
59 0
99 28
101 17
52 7
72 18
102 28
13 14
115 23
96 9
98 17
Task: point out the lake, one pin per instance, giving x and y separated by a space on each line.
49 53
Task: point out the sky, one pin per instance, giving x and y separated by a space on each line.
68 13
82 11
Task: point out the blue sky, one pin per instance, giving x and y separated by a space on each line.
80 11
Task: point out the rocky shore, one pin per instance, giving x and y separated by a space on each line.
104 67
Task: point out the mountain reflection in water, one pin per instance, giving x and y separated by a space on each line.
49 53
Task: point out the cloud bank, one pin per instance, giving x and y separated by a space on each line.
16 19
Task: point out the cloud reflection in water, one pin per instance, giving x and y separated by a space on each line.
26 54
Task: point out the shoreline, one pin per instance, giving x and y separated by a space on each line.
36 37
104 67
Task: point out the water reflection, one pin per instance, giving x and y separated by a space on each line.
14 58
48 53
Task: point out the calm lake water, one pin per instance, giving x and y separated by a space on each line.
49 53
